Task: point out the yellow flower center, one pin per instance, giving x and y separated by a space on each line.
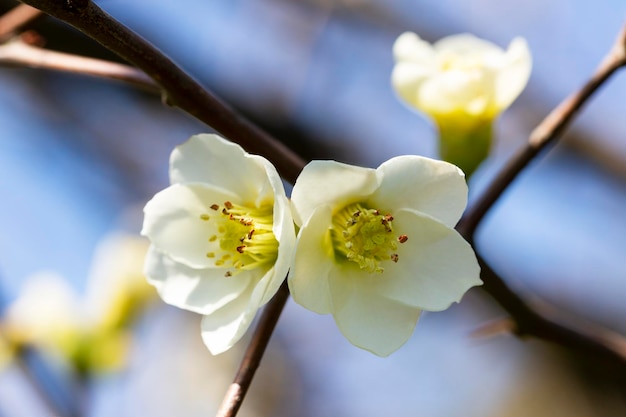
365 236
245 236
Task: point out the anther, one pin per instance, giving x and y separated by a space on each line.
214 207
228 205
241 248
394 257
204 217
403 238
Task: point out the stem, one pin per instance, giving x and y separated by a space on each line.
252 358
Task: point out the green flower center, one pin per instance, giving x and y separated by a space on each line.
365 236
245 237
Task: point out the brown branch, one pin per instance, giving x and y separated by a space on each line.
252 358
588 341
181 90
547 133
18 52
530 320
14 20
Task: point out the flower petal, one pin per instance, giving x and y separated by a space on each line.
202 291
210 159
308 278
433 187
367 319
224 327
286 236
406 79
514 73
466 43
411 48
172 222
435 267
330 183
456 90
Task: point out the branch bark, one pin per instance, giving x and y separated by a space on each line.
180 89
16 19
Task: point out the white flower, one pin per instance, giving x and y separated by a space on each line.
376 247
463 83
47 312
459 74
222 236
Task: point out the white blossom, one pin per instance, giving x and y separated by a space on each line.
376 247
221 235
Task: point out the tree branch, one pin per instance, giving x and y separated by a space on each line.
181 90
588 341
252 358
18 52
16 19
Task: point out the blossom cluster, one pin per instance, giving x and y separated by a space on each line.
374 247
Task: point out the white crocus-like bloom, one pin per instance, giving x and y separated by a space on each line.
222 236
463 83
376 247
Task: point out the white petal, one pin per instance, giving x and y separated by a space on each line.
330 183
435 267
407 78
172 222
210 159
433 187
222 329
367 319
199 290
456 90
308 278
466 44
514 73
409 47
286 236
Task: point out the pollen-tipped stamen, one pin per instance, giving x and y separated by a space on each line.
244 238
365 236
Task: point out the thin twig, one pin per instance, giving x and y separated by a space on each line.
590 341
16 19
18 52
547 133
252 358
181 90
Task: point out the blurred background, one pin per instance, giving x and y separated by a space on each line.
79 157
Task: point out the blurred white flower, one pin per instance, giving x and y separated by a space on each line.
47 313
376 247
91 333
463 83
222 236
